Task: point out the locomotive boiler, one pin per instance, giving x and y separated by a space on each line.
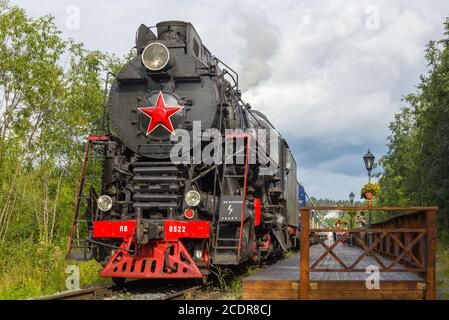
181 181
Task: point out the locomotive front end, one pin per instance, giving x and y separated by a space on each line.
156 220
168 203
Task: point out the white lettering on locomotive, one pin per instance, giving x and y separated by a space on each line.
177 229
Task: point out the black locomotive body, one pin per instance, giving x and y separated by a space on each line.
178 191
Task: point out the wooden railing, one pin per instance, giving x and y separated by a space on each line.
403 243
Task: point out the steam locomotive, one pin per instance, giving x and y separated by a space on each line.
171 189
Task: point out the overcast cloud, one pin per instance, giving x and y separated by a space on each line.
329 74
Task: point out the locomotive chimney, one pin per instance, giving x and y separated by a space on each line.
172 30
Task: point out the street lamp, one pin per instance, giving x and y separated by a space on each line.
368 158
351 217
351 197
369 163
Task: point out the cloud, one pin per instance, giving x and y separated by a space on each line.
259 44
335 81
328 184
329 74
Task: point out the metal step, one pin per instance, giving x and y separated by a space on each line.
156 179
168 187
155 197
80 248
225 258
79 256
152 164
171 169
226 247
161 205
230 223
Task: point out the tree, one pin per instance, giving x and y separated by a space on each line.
51 95
399 164
416 165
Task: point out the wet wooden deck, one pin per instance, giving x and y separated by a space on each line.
281 280
288 269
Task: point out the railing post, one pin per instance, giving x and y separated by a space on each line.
431 254
304 263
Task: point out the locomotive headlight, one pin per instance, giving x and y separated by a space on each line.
104 203
155 56
192 198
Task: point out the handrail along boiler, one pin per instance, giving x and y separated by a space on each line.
143 215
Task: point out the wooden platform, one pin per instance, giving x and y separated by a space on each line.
281 280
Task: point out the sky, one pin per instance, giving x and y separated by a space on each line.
330 75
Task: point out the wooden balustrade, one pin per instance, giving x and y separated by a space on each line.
403 243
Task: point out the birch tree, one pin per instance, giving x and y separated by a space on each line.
51 95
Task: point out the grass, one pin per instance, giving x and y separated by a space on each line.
236 283
29 269
442 269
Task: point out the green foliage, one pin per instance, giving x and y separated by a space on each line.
442 270
344 217
330 202
41 271
400 162
236 285
51 96
416 165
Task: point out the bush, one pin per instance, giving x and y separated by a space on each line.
30 269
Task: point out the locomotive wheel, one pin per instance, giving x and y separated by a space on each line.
256 257
206 262
206 256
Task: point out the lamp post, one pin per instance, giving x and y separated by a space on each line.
351 198
368 158
351 226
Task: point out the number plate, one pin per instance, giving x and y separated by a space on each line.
114 229
174 229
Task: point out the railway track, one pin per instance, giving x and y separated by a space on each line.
96 292
110 290
140 289
183 294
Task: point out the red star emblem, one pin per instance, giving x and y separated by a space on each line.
160 114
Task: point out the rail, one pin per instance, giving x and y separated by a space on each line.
96 292
403 243
103 291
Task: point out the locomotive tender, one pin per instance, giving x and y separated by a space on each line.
148 214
